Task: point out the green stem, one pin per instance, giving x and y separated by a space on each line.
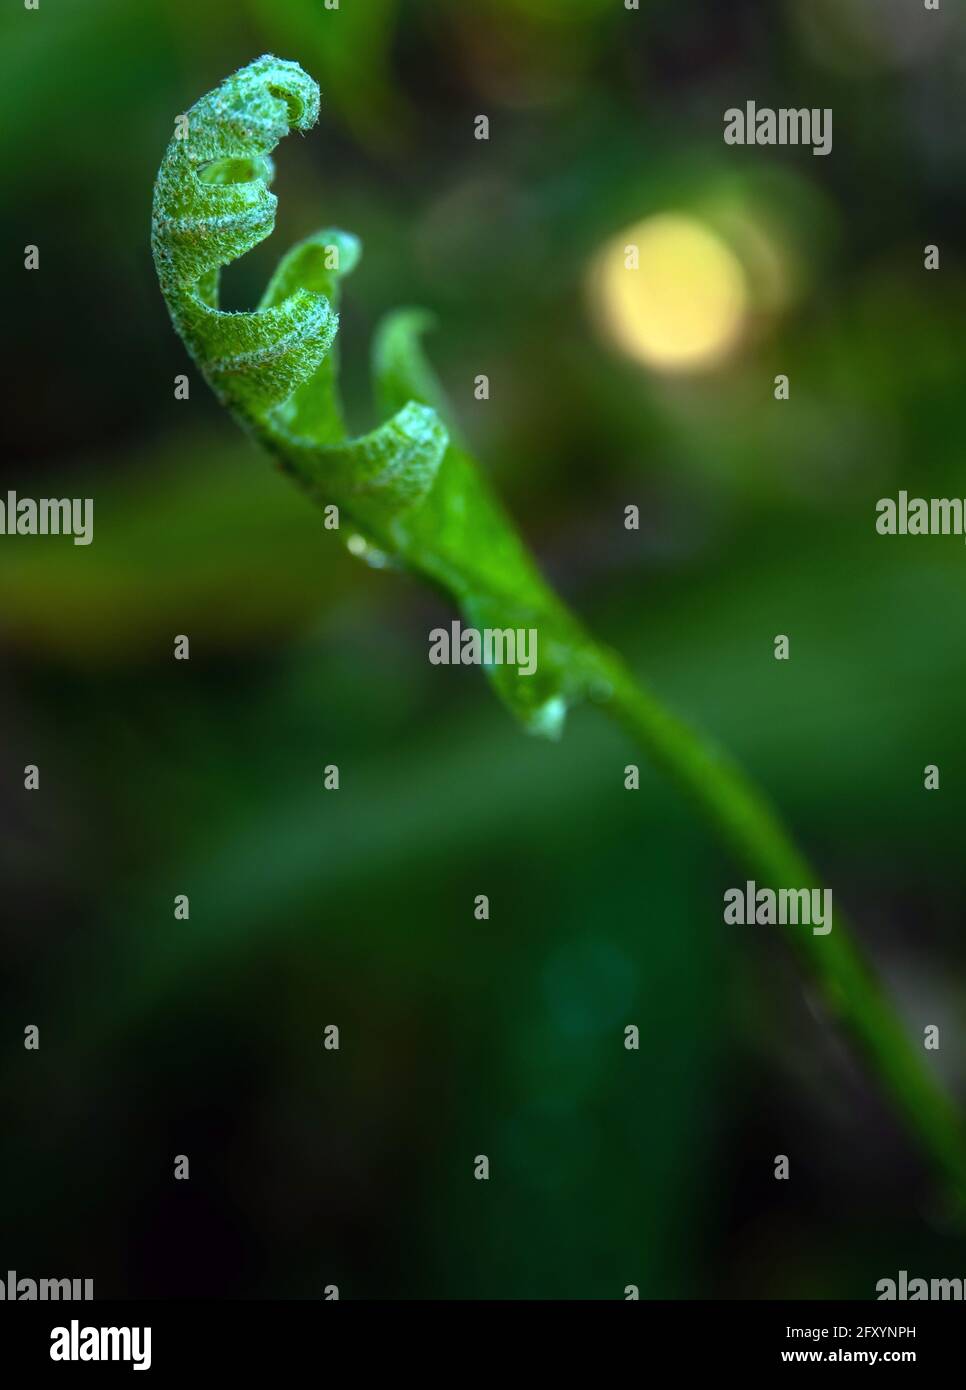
846 982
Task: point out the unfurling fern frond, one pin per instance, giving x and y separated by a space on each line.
418 501
411 493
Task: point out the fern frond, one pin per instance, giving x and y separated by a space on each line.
418 500
409 490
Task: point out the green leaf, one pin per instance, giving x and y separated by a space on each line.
400 369
317 264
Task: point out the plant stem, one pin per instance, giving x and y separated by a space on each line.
846 982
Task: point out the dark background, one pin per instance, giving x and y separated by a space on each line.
158 777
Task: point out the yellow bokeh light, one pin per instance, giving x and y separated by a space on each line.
670 293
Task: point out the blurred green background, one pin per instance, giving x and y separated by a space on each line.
161 1037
